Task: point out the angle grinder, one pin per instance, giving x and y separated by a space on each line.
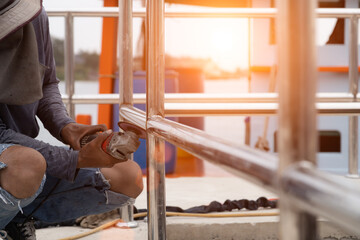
120 144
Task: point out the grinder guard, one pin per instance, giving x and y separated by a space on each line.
120 144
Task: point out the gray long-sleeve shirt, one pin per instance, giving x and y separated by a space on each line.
18 124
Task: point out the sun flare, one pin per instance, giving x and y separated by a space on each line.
222 40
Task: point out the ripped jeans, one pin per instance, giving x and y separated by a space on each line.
88 194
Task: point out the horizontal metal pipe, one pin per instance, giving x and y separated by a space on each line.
323 194
239 159
255 13
247 97
310 189
133 115
337 12
220 97
222 13
261 164
204 98
335 97
202 109
84 12
212 109
224 108
202 13
92 98
170 13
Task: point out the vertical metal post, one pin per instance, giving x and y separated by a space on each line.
125 43
297 115
248 118
127 216
155 75
125 52
69 62
249 54
354 82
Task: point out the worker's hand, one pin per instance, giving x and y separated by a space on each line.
92 155
74 132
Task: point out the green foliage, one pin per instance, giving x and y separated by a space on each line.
86 66
86 63
58 48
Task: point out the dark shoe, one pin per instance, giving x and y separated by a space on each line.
21 231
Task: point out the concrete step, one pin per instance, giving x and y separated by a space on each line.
194 191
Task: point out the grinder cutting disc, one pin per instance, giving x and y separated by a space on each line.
133 128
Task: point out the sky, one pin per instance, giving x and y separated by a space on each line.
225 41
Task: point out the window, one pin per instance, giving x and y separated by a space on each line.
329 141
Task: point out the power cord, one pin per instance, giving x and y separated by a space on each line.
168 214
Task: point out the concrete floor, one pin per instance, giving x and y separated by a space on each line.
187 192
184 192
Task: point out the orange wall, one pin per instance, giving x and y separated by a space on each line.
108 67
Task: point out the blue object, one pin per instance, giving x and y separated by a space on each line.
139 86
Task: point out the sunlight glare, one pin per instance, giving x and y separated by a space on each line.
222 40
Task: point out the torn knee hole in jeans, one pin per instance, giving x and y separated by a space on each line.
2 165
3 196
111 196
8 201
107 182
119 199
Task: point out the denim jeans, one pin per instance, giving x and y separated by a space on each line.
89 194
10 205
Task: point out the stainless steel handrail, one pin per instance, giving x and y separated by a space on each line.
113 12
308 187
202 109
353 89
241 160
170 13
155 89
297 139
316 191
219 106
352 14
201 13
323 194
140 98
69 62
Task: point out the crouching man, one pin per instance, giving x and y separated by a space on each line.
37 180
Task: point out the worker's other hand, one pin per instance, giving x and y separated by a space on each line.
92 155
74 132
